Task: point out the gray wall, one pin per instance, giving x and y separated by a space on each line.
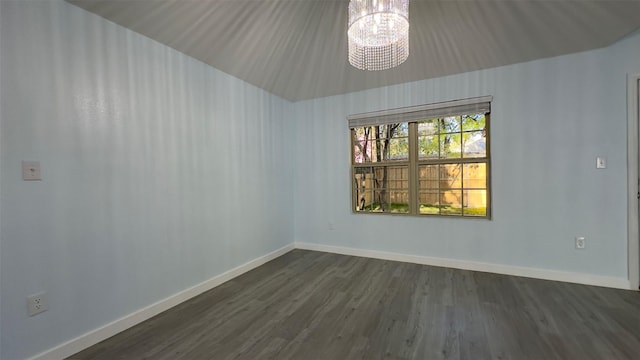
551 118
159 172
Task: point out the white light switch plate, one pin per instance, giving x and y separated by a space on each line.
601 162
31 170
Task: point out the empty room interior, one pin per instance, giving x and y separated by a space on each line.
278 179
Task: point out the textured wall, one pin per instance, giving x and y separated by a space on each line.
550 119
159 172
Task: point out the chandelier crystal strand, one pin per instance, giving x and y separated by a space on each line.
378 33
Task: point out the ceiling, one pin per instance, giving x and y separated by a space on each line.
297 49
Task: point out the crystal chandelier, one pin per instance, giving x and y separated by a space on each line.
378 33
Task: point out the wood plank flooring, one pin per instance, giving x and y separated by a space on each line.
314 305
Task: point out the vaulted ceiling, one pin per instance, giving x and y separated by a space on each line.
297 49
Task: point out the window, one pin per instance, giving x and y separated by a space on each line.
425 160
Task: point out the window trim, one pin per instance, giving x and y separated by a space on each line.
414 162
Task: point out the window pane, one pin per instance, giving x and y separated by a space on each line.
381 143
450 146
382 189
428 127
473 122
391 192
363 145
428 177
429 202
379 177
399 201
380 200
390 131
475 203
398 149
399 172
402 130
398 177
363 186
450 176
428 147
474 144
451 202
360 155
361 172
475 176
365 201
450 124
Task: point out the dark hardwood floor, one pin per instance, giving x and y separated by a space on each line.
313 305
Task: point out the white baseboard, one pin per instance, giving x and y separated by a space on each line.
578 278
93 337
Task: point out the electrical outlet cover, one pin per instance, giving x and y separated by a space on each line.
37 303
